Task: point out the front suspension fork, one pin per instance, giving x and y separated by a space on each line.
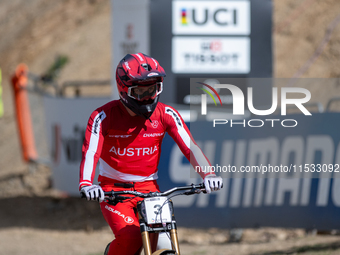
147 242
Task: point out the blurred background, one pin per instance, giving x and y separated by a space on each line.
73 40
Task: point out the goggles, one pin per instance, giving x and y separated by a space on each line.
142 93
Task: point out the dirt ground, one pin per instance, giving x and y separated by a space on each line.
47 222
36 219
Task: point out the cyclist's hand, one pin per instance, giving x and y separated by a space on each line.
212 183
93 192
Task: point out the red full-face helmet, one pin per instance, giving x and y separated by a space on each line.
140 81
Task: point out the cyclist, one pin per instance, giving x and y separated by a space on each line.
125 136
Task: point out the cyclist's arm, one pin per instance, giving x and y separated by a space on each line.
92 148
179 131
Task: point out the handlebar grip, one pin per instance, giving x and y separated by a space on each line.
107 193
82 195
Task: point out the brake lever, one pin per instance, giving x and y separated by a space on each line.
193 191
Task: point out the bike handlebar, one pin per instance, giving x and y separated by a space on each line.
195 188
116 196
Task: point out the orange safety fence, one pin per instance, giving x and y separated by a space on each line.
23 113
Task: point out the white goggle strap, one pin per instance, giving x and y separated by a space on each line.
160 87
129 91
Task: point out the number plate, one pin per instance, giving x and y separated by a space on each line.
155 208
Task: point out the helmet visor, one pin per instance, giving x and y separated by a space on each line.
142 93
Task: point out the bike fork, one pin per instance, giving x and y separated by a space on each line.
174 240
145 229
146 242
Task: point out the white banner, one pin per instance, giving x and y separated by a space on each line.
210 54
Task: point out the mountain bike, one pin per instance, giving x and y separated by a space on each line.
156 214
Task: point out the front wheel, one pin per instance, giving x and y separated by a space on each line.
164 252
107 249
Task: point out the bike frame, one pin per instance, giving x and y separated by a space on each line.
145 228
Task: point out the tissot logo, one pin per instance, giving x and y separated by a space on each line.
215 45
211 54
238 105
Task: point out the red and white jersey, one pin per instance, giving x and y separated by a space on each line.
129 147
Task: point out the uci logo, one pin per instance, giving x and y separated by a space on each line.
200 17
211 17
